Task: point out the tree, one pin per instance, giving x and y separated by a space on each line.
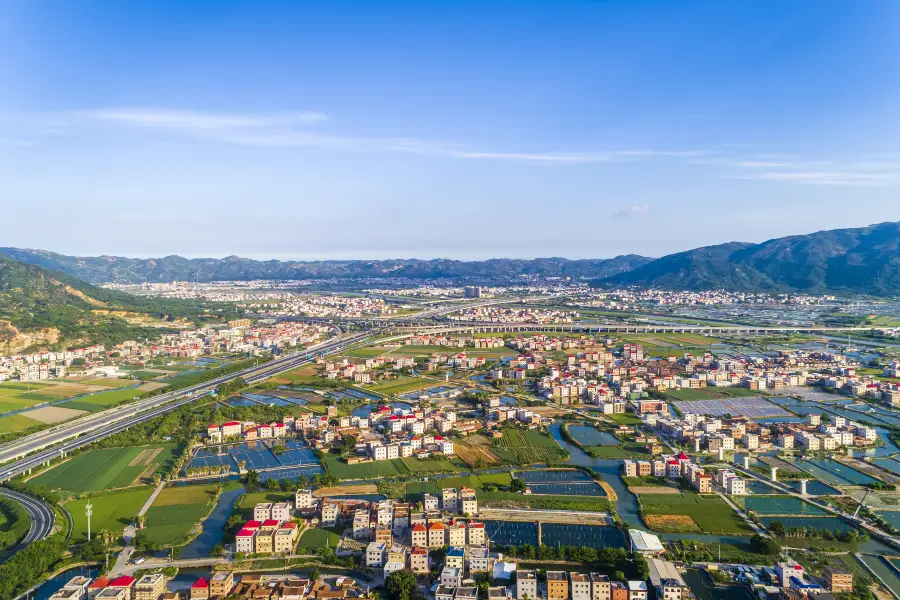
252 478
272 484
217 550
517 485
314 574
619 576
400 585
764 545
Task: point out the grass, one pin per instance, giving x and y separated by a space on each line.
532 447
388 468
542 502
401 384
111 511
112 382
365 352
625 418
626 450
710 513
103 469
712 393
244 505
315 538
103 400
175 512
14 423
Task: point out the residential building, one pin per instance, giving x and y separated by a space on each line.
637 590
526 585
221 583
558 585
838 580
376 553
418 560
580 586
150 587
600 589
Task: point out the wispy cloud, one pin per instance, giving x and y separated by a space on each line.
821 172
195 121
293 129
635 210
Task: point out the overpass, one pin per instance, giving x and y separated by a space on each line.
489 327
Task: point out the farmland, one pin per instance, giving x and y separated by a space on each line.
110 468
14 423
100 401
476 451
532 447
388 468
400 385
175 512
112 511
709 513
711 393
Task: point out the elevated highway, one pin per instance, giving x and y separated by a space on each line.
40 448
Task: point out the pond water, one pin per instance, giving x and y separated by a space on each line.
508 401
831 523
831 471
891 516
813 488
366 410
885 571
553 534
54 584
588 435
781 506
754 486
213 528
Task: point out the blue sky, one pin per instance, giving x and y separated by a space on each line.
443 129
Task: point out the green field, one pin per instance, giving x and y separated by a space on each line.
415 489
625 418
15 395
364 352
103 400
175 512
710 513
14 423
532 447
712 393
244 505
110 468
112 511
315 538
625 450
388 468
401 384
543 502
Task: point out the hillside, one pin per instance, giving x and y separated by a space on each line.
864 260
105 269
46 308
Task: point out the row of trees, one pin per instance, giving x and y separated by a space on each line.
852 535
616 558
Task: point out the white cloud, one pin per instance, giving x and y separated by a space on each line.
190 120
635 210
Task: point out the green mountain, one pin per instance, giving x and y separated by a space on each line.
865 260
47 308
116 269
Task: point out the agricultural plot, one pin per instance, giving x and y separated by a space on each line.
103 400
107 468
755 408
780 505
400 385
175 512
111 511
532 447
710 513
254 455
18 422
476 451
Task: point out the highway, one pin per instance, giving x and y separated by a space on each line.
39 512
39 448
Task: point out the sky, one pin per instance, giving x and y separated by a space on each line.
468 130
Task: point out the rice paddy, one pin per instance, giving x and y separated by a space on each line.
531 447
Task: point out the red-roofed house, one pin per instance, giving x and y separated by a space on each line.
231 429
243 541
200 590
419 535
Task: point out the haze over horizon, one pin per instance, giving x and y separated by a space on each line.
355 130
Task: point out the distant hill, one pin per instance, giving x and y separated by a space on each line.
864 260
114 269
39 307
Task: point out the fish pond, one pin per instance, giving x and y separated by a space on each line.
813 488
256 455
780 505
588 435
830 523
833 472
562 482
365 411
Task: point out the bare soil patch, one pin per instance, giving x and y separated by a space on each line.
54 414
671 523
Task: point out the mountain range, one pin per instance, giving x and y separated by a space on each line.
863 260
116 269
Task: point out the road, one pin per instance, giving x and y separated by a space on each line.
38 449
39 512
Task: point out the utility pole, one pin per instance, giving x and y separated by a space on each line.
88 510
